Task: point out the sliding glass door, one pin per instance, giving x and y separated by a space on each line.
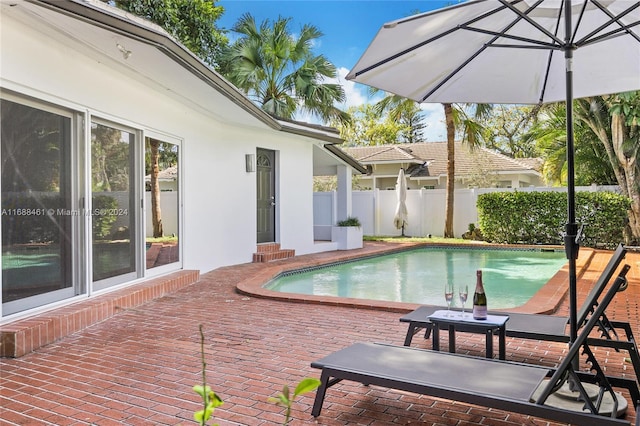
114 218
37 206
72 203
162 201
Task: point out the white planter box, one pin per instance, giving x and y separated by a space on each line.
347 237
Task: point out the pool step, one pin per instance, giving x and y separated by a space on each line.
268 252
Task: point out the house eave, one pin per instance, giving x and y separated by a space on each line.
346 158
125 24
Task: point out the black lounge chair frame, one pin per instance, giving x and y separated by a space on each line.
491 383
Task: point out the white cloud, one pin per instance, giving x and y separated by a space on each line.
355 94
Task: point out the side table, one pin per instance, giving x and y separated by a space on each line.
454 320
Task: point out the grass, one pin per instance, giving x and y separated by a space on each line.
164 240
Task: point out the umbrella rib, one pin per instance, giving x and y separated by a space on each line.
613 34
612 19
526 17
540 44
422 43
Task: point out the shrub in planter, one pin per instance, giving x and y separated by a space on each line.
350 221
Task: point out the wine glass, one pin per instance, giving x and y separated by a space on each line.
463 292
448 296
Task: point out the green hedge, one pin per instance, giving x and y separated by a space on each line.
540 217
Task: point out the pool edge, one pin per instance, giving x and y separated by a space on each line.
547 300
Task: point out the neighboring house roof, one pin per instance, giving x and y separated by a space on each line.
167 175
430 159
146 47
389 154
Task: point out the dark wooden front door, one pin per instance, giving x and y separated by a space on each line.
266 183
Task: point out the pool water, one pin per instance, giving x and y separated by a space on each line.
510 277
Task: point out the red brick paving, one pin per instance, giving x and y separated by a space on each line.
138 367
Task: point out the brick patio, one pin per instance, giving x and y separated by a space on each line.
138 367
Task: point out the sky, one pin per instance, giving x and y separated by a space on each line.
348 27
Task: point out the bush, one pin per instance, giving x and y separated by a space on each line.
104 208
539 217
350 221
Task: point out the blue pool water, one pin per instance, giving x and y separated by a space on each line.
511 277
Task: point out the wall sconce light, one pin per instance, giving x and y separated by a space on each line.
250 162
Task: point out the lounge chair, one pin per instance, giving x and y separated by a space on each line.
487 382
531 326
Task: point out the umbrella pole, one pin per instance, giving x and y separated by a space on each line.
571 229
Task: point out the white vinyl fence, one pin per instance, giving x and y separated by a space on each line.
426 207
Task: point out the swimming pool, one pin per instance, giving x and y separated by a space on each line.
511 277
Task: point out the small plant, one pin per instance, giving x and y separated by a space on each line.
210 400
350 221
473 233
306 385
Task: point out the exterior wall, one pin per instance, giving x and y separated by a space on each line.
219 196
426 208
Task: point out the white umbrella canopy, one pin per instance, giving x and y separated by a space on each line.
400 218
514 52
508 52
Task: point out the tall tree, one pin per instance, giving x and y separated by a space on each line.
280 72
462 118
368 127
507 129
192 22
405 112
591 163
615 120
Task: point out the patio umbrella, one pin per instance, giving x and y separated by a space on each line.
400 218
512 52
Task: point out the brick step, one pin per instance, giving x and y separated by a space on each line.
268 247
270 252
23 336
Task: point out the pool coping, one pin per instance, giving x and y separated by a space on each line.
547 300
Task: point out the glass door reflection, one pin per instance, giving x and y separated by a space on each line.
113 218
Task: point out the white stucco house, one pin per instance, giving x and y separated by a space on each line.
85 90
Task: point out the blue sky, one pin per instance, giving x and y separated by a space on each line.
348 27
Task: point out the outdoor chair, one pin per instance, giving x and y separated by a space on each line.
491 383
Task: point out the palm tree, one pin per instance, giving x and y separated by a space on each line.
279 71
403 111
614 120
457 118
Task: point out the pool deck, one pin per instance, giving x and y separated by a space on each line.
138 366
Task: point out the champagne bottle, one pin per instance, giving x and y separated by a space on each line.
479 299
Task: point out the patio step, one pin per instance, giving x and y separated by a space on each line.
268 252
26 335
